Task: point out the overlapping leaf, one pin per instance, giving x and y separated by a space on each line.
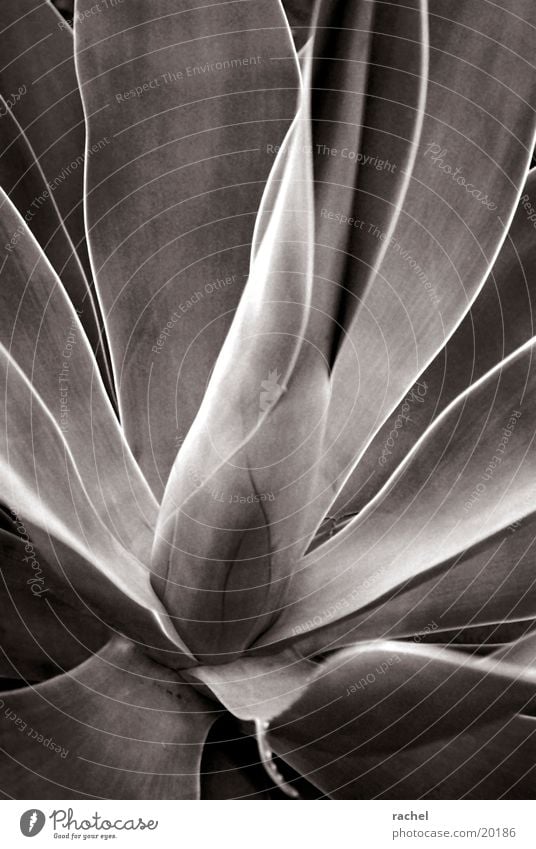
117 726
398 721
193 110
37 62
230 525
492 582
45 627
470 476
65 467
500 320
453 231
43 152
429 240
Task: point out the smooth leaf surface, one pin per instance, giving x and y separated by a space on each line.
403 721
500 320
42 335
460 266
490 584
193 113
260 687
231 524
24 182
46 628
37 58
469 476
118 726
427 245
65 466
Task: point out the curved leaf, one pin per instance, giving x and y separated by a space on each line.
23 180
215 572
259 687
192 115
64 464
427 245
42 335
500 320
401 721
491 583
235 512
45 627
470 475
37 60
119 726
521 653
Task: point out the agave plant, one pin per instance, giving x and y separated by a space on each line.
267 458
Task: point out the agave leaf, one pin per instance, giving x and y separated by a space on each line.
368 92
300 17
268 687
265 458
41 334
429 243
405 721
488 761
444 498
65 466
172 199
124 726
37 59
45 488
506 304
236 511
23 180
45 627
488 584
258 687
193 591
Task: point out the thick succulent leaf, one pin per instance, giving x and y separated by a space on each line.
65 466
192 114
427 242
38 80
488 761
45 488
258 687
491 583
403 721
500 320
234 516
368 93
24 182
42 335
45 628
117 727
201 552
470 475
